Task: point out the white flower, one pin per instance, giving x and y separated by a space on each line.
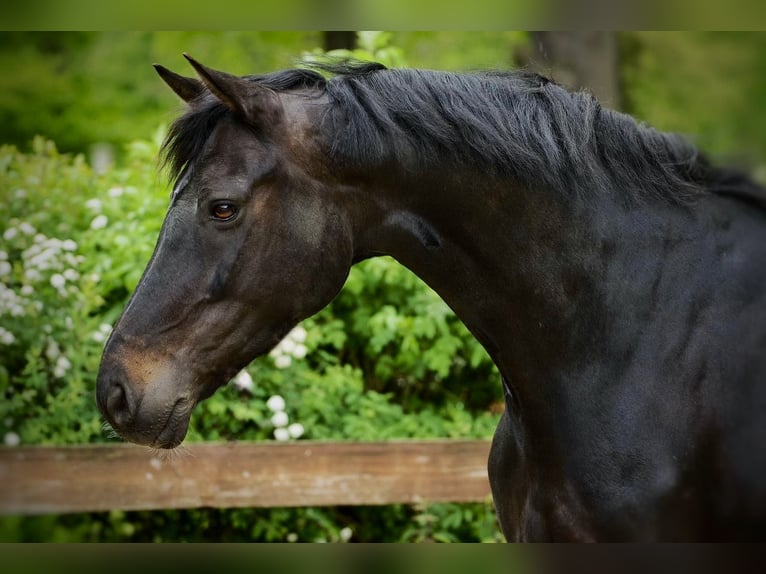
6 337
281 434
40 258
295 430
300 351
282 361
5 268
11 439
94 204
52 351
62 366
345 534
287 345
243 381
21 193
71 275
115 191
3 256
280 419
298 334
31 252
292 537
69 245
104 329
27 290
58 280
276 404
26 228
99 222
32 274
10 233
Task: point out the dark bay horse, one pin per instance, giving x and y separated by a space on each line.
616 278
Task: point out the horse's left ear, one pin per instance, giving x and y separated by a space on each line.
245 98
188 89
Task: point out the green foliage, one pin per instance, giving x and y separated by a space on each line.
452 523
460 50
62 286
79 88
371 47
709 85
475 522
408 341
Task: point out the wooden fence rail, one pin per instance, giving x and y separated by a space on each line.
44 480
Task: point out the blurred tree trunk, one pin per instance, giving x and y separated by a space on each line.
578 60
339 40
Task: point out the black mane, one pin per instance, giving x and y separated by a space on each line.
513 124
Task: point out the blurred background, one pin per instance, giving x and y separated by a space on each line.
82 115
81 89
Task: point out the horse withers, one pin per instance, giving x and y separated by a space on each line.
615 277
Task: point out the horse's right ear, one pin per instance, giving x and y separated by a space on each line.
249 100
185 88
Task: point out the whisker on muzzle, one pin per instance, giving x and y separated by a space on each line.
171 454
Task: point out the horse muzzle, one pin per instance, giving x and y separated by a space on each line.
143 399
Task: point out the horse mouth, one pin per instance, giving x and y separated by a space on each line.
176 425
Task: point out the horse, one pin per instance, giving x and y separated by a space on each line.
614 274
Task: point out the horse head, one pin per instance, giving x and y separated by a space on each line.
252 243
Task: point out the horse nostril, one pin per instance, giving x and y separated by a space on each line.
118 404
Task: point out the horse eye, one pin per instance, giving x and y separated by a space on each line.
223 211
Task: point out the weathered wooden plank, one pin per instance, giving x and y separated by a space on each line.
41 480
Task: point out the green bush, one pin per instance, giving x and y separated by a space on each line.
70 259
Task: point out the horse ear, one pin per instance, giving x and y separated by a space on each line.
245 98
185 88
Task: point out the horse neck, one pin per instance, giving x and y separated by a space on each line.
523 269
